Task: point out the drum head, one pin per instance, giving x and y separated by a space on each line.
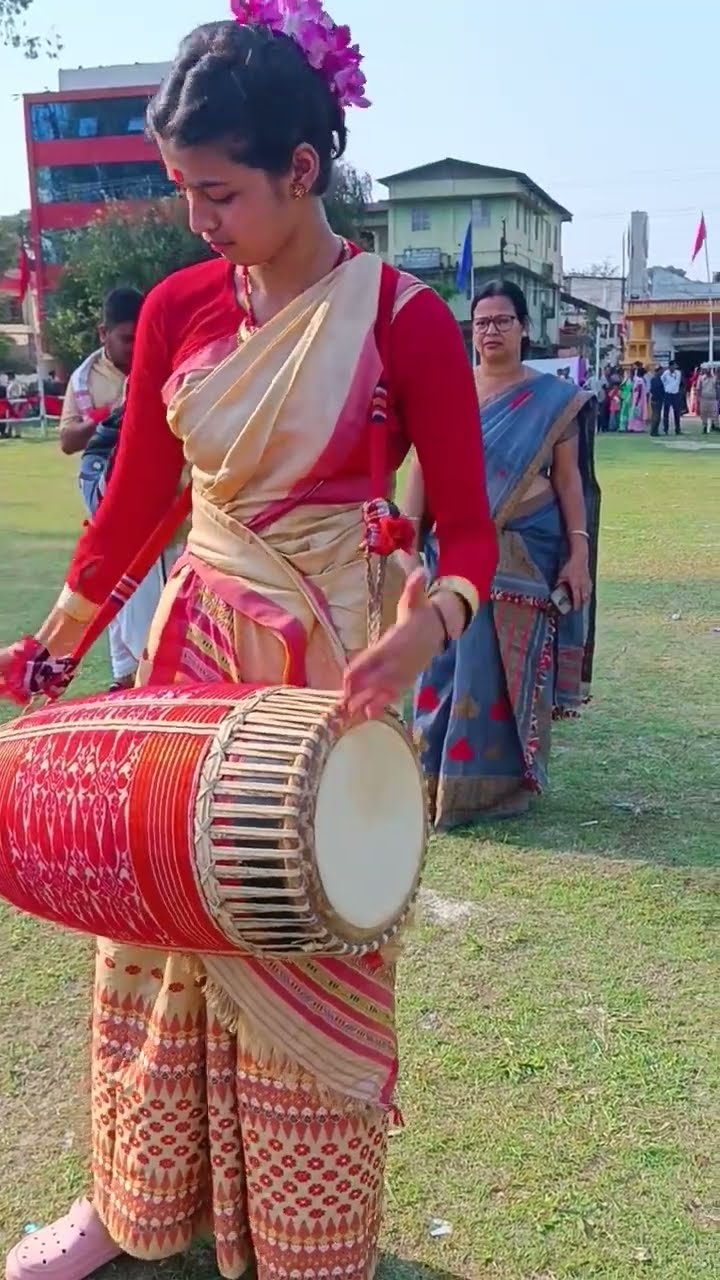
370 826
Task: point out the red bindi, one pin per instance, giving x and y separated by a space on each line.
177 177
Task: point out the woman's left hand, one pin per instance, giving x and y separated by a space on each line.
382 674
575 573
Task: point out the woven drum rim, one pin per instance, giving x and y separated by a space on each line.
210 772
326 735
336 936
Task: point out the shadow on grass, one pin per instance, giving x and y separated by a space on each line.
199 1264
640 839
397 1269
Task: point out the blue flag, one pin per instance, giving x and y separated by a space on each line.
463 278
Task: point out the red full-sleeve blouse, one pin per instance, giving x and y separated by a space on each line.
433 406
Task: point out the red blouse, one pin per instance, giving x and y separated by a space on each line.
433 406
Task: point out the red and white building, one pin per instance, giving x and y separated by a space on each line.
86 147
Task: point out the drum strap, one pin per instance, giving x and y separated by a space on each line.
386 531
378 410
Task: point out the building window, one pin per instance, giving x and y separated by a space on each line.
481 213
537 226
100 183
88 118
535 294
527 219
420 218
518 212
547 237
11 311
55 247
555 237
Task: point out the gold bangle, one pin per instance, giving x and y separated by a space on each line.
460 624
460 587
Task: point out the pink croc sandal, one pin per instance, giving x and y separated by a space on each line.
69 1249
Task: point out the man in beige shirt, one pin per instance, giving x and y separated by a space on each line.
95 389
98 385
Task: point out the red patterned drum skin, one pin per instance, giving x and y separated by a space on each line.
213 819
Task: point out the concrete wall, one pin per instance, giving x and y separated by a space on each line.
599 291
119 77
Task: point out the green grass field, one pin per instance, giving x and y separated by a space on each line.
559 999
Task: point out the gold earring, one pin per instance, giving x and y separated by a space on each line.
297 189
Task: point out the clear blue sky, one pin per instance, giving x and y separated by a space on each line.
606 105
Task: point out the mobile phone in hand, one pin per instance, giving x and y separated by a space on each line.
562 599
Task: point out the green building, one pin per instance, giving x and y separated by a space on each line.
517 233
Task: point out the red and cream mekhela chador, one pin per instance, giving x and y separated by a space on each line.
243 1094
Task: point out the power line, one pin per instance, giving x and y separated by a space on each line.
589 216
665 175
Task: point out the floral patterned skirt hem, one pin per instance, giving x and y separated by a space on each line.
192 1133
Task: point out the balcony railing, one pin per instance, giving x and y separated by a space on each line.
434 259
671 306
516 257
143 188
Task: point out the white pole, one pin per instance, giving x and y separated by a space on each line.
37 343
711 334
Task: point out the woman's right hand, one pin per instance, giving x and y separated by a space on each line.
36 664
6 658
59 634
28 671
11 664
408 561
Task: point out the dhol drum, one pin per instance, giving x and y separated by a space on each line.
213 819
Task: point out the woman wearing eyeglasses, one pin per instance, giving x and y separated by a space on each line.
484 709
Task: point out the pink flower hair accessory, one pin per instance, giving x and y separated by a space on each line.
327 47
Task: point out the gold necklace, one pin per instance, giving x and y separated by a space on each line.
249 323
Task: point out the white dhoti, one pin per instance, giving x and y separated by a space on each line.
128 632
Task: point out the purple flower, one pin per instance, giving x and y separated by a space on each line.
262 13
327 47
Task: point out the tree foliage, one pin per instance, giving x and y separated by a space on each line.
446 289
13 228
8 245
122 247
118 248
8 359
13 31
349 195
607 269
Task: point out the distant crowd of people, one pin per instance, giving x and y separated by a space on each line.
20 398
638 400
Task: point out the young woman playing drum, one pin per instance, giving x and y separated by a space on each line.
255 1101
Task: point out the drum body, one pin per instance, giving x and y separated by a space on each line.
217 819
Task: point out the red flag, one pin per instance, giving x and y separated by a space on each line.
25 269
700 238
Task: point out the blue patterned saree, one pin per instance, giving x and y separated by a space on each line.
484 709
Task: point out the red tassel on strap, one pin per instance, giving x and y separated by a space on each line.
386 530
